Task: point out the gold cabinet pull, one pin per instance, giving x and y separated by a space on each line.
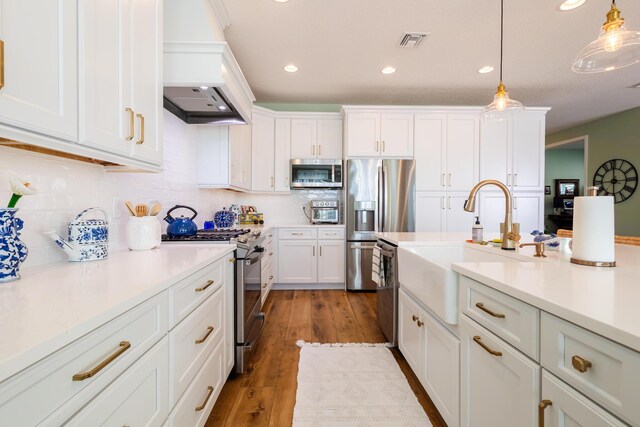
478 341
314 250
270 277
383 147
320 250
420 323
206 399
486 310
414 317
313 150
206 335
1 64
264 285
580 364
377 146
319 150
132 128
205 286
141 117
541 407
232 260
122 347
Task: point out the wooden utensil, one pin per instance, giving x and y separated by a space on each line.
131 208
154 208
141 210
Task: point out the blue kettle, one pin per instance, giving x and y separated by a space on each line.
181 226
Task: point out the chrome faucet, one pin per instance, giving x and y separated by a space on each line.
509 230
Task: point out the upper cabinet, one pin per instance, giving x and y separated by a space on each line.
119 66
512 150
282 153
39 90
84 77
446 151
313 138
384 134
262 152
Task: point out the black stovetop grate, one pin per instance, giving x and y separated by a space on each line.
207 236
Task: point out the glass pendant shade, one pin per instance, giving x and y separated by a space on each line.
615 47
502 106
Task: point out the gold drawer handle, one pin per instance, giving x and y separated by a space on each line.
581 365
132 125
541 407
206 335
486 310
206 399
141 117
123 346
478 341
414 317
206 285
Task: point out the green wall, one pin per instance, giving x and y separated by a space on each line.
316 108
612 137
561 164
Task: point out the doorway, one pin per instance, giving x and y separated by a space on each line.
565 162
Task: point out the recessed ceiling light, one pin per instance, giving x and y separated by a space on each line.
281 1
204 87
290 68
222 107
388 70
486 69
571 4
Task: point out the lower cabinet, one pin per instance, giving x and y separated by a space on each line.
433 354
500 386
562 406
303 259
139 397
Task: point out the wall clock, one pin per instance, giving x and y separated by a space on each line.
617 178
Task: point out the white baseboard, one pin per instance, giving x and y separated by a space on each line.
306 286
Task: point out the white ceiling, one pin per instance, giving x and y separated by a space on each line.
340 46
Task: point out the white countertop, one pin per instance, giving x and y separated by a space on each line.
604 300
52 306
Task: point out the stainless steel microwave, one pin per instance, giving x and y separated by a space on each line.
316 173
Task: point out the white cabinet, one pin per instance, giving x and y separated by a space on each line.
40 92
512 150
305 259
446 151
262 152
442 212
433 354
240 156
120 44
500 386
563 406
331 261
282 153
379 134
316 138
213 156
297 261
528 211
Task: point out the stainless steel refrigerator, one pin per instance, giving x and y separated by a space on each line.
380 198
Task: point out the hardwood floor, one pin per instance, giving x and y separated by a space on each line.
266 393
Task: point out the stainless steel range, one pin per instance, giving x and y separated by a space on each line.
249 320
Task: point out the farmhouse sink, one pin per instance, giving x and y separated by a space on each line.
425 271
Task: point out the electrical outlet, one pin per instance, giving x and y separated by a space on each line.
116 212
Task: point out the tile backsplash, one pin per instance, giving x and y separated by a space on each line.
66 187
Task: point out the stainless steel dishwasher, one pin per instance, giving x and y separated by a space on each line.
388 291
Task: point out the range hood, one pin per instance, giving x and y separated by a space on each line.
203 83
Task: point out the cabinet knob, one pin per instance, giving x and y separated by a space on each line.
414 317
420 323
580 364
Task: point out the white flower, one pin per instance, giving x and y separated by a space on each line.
20 186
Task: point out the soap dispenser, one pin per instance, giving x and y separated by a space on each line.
476 231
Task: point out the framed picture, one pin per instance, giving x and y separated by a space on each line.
547 190
567 187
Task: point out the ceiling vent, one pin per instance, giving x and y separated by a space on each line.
412 39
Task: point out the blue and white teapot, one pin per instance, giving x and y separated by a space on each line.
88 239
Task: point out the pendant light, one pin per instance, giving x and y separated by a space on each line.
502 106
615 47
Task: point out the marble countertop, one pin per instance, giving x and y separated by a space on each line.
603 300
53 305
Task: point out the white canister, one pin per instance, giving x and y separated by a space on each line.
143 233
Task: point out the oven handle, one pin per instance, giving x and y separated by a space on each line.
251 340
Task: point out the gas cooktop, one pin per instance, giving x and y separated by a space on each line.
207 236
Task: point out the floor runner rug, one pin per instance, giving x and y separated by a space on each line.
353 385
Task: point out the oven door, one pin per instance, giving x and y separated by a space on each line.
316 173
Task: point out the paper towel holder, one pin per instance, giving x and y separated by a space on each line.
593 192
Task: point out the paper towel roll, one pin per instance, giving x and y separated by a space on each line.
593 231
